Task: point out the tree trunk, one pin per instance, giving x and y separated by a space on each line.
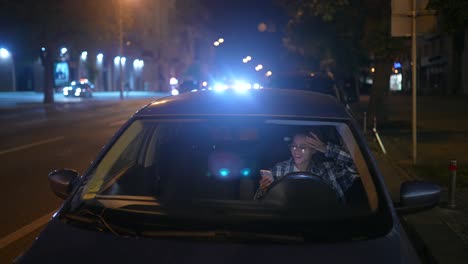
457 62
48 76
379 94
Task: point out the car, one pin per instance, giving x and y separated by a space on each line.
178 183
79 88
185 86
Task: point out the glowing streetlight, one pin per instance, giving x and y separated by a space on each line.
246 59
123 60
63 51
173 81
138 64
216 43
4 53
117 60
220 40
259 67
372 69
100 57
84 55
268 73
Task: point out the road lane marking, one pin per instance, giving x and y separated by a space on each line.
31 145
25 230
117 123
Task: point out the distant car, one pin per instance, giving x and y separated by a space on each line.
177 181
80 88
185 86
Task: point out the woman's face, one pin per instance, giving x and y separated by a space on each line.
300 150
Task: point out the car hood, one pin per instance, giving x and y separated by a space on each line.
63 243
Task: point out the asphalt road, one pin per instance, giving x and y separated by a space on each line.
36 140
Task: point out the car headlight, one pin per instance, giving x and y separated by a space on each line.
175 92
77 91
241 86
219 87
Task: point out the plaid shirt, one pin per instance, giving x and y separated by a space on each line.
339 172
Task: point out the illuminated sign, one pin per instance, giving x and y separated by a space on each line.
61 74
395 82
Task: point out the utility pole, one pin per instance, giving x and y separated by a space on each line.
413 82
410 18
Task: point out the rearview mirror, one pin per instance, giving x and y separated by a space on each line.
62 181
416 196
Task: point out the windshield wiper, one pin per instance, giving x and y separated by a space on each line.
98 222
226 235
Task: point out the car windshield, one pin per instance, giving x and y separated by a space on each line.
210 169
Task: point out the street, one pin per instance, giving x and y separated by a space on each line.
38 139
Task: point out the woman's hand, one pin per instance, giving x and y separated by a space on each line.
265 183
315 143
266 179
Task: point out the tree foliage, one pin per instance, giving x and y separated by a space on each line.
344 37
453 14
78 25
321 32
453 20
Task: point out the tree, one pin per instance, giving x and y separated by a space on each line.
49 24
453 17
193 27
343 37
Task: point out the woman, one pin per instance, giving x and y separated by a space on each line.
338 170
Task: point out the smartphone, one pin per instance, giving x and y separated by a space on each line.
266 173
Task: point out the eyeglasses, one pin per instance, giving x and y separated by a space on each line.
302 148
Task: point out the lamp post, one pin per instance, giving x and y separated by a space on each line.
5 54
120 83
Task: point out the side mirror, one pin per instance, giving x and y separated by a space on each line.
416 196
61 182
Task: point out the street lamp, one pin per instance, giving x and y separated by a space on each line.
99 57
120 48
216 43
137 68
84 55
6 55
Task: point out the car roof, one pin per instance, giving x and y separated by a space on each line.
254 102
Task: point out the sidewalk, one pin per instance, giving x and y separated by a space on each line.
441 234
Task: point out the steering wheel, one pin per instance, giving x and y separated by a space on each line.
301 190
